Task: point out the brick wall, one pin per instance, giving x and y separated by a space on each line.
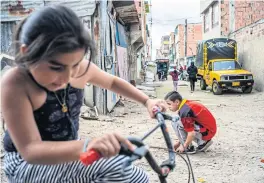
181 39
194 35
248 12
250 41
224 16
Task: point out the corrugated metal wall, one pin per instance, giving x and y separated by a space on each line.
13 11
7 31
81 7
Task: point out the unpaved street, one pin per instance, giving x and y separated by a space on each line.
238 146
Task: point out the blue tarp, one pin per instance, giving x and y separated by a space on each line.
120 35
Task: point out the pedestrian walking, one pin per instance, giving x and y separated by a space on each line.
192 71
175 78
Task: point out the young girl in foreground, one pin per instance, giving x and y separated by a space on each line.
41 101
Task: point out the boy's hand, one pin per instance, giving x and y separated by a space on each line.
181 149
176 145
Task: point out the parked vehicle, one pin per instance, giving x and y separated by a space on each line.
218 66
185 76
171 68
162 69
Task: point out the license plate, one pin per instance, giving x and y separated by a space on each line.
235 83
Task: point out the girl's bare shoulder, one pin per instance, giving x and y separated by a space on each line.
15 79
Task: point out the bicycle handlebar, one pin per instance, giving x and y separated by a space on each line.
162 170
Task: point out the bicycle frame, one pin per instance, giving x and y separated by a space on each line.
142 151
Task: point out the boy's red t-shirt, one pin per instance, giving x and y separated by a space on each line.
192 112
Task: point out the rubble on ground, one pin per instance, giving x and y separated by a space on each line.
89 113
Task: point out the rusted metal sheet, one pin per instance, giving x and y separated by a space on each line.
7 32
80 7
127 11
16 10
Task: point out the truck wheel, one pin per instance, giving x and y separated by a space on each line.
247 89
217 90
203 84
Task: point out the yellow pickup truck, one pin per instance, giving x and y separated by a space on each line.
218 67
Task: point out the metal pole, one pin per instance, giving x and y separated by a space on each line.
151 30
185 33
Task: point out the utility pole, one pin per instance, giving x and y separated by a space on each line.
185 41
150 5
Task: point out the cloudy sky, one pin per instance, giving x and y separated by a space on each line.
166 14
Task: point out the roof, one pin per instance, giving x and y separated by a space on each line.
127 11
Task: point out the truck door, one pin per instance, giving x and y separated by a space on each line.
208 74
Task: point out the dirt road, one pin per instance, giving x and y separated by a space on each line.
238 146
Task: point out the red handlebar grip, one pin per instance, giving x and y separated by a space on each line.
87 158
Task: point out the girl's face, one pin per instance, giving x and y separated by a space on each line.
55 73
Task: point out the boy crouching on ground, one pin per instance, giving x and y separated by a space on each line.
197 123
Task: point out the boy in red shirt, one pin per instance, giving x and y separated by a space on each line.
197 123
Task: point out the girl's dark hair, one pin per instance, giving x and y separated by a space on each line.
173 96
50 31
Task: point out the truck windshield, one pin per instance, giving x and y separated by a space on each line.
226 65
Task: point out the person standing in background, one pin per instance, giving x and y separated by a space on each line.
192 71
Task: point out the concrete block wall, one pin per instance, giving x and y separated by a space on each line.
250 50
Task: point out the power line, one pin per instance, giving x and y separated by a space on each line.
170 23
171 20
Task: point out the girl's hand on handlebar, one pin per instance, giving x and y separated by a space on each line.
109 145
150 104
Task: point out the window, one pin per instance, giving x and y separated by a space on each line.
210 66
215 14
226 65
166 47
166 38
206 21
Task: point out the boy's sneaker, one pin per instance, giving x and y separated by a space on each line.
190 150
204 146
